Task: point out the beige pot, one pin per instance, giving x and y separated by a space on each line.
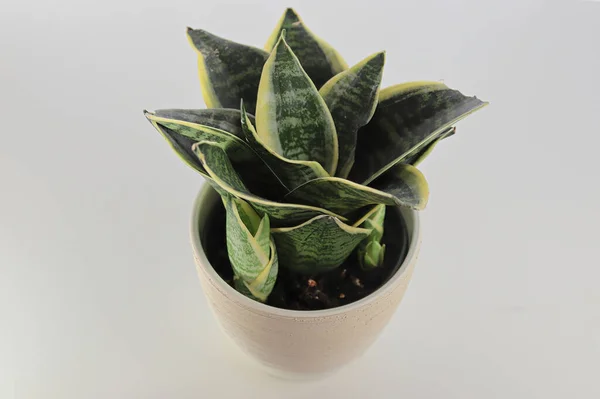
299 344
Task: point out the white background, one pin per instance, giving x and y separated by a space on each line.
98 293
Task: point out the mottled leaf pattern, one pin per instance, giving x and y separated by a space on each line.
291 173
319 59
224 119
291 117
252 170
228 71
326 146
217 164
251 251
405 187
408 117
320 244
370 251
351 97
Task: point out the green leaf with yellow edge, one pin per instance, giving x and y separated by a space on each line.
405 187
251 250
182 146
351 97
291 117
228 71
408 117
225 119
253 171
318 58
217 164
291 173
370 251
318 245
418 157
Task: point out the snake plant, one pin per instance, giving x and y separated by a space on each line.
305 151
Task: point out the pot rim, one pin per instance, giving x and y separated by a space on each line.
215 280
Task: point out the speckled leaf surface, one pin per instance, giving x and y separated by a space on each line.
291 117
291 173
217 164
408 117
406 187
351 97
320 244
228 71
318 58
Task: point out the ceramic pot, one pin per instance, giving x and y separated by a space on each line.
299 344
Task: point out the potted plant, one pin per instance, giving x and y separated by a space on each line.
307 234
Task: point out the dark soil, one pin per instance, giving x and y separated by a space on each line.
341 286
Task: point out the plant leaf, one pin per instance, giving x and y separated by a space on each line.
196 131
319 59
370 251
418 157
408 117
371 256
351 97
291 173
224 119
251 251
405 187
320 244
181 145
253 171
291 117
216 162
228 71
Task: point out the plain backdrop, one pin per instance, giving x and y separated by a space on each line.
98 293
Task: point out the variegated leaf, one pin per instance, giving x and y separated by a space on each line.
370 251
291 117
418 157
217 164
291 173
320 244
181 145
407 187
351 97
319 59
197 131
253 171
408 117
225 119
251 250
228 71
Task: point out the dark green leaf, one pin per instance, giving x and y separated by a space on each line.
217 164
418 157
228 71
406 186
351 97
408 117
319 59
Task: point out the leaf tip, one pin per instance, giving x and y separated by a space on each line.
291 15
